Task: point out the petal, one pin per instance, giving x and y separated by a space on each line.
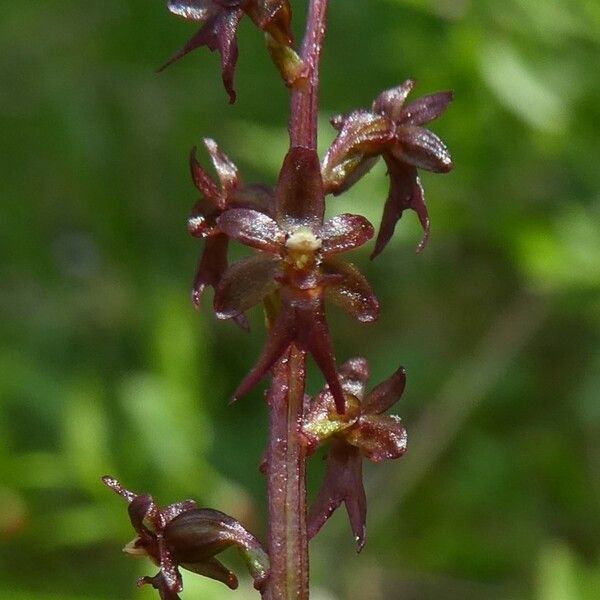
142 510
245 284
212 265
350 290
168 568
115 486
256 196
312 334
405 192
385 394
343 233
425 109
362 135
202 220
202 180
299 194
174 510
218 33
342 483
391 101
379 437
225 168
253 229
214 569
421 148
196 10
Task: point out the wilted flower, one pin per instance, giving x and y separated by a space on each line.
183 535
220 20
214 200
392 130
362 432
297 257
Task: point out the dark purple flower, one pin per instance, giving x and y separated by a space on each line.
297 257
183 535
219 23
215 199
394 131
361 432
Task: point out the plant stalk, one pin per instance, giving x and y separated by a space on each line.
286 472
304 103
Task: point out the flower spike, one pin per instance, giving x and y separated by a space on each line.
391 129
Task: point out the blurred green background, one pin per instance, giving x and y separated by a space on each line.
106 368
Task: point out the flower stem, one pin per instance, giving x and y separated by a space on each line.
288 542
304 104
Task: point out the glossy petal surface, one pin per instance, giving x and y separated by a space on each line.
299 193
421 148
386 394
391 101
196 10
212 265
344 232
245 284
202 180
351 291
425 109
379 437
224 166
253 229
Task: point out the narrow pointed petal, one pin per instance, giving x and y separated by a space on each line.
212 265
278 340
202 180
379 437
405 192
391 101
245 284
350 290
115 486
386 394
426 109
218 33
299 193
213 569
196 10
225 168
253 229
312 334
422 148
344 232
342 483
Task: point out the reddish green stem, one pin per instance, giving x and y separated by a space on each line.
288 542
304 105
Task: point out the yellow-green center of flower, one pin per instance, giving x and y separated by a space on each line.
301 246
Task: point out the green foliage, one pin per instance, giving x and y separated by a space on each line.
496 323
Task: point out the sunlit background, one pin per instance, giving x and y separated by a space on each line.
106 368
